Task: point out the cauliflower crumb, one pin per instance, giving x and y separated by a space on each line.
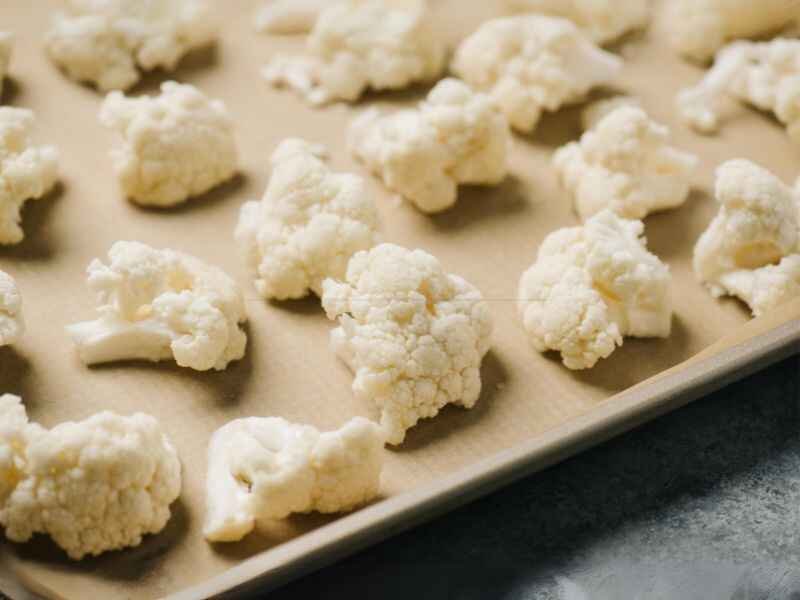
530 64
625 163
357 45
455 137
592 285
6 44
12 325
93 486
289 16
161 304
307 226
413 335
108 42
262 469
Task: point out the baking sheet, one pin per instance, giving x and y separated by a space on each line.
490 237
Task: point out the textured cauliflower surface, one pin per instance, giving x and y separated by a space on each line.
93 486
308 225
6 44
413 335
357 45
108 42
752 247
12 325
592 285
176 145
625 163
454 137
531 64
158 305
261 469
289 16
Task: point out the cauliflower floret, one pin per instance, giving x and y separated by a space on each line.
12 325
176 146
107 42
413 335
530 64
752 247
289 16
600 109
357 45
455 137
158 305
699 28
625 163
93 486
307 226
261 469
27 172
603 20
5 57
592 285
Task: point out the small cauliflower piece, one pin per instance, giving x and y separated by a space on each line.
454 137
177 145
357 45
307 226
262 469
6 44
108 42
289 16
600 109
625 163
159 305
96 485
413 335
592 285
531 64
12 325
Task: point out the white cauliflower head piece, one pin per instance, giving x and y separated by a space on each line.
96 485
262 469
6 45
176 145
289 16
159 305
454 137
592 285
529 64
12 325
627 164
413 335
308 225
108 42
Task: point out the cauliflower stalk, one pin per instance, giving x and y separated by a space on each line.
413 335
158 305
93 486
261 469
289 16
12 325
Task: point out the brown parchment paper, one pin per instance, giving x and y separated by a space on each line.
490 237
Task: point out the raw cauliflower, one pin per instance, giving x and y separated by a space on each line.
308 225
6 43
158 305
357 45
93 486
27 172
413 334
176 146
625 163
261 469
455 137
12 325
752 248
592 285
108 42
600 109
289 16
699 28
603 20
531 64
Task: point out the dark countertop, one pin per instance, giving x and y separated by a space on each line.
702 504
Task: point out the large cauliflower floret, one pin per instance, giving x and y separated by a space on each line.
158 305
93 486
413 335
592 285
12 325
107 42
752 247
531 64
307 226
6 44
261 469
27 172
455 137
625 163
177 145
289 16
357 45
